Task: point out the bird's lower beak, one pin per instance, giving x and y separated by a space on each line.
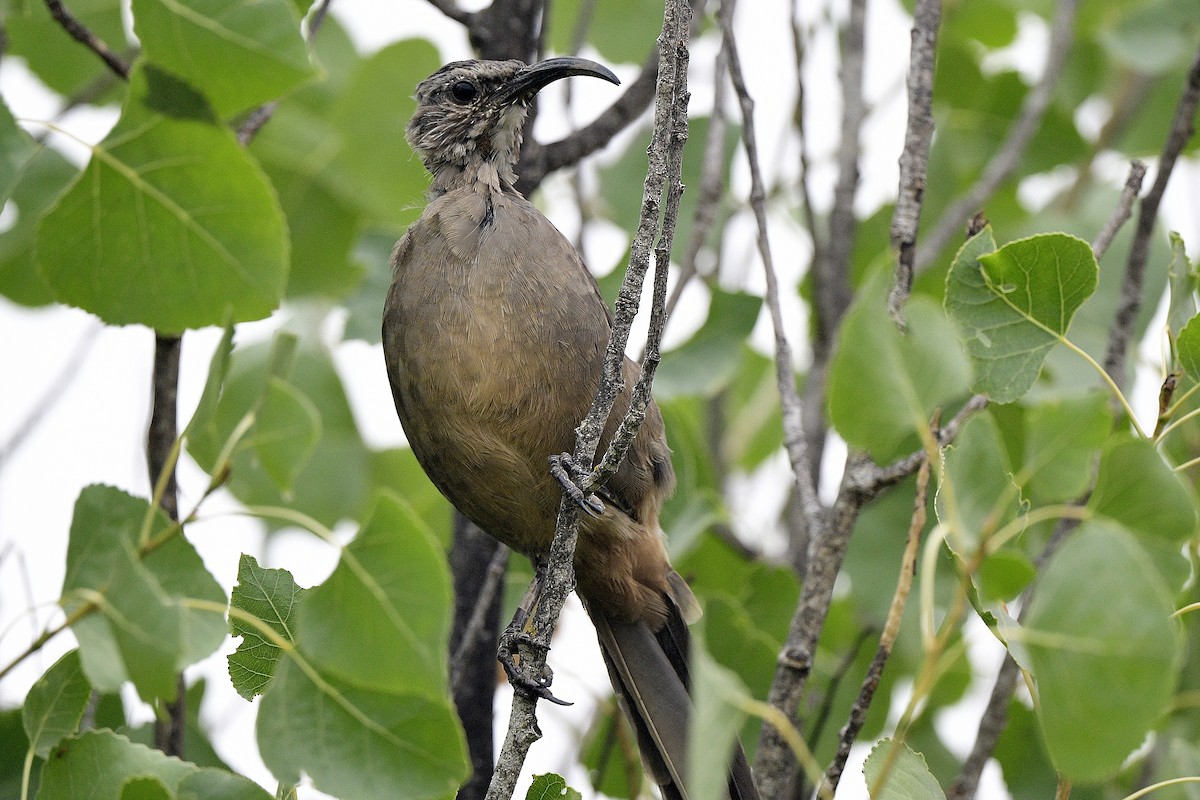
531 80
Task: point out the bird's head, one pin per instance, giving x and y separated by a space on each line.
470 115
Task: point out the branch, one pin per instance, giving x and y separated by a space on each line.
169 728
665 160
451 10
80 33
1182 127
1006 160
858 712
914 160
1123 210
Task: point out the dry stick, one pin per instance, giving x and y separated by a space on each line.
914 159
858 712
669 119
1005 161
83 35
1182 127
1123 210
712 184
774 761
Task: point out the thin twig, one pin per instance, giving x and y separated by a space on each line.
54 392
558 578
1182 127
914 159
475 624
84 36
1123 210
712 183
1005 161
798 116
451 10
882 477
908 563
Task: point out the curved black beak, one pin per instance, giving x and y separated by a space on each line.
531 80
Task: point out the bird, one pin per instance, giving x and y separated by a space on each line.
494 336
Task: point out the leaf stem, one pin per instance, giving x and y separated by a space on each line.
1112 385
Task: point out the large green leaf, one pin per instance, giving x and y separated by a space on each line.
391 588
1013 304
286 433
56 703
100 765
907 776
976 496
622 30
16 149
361 704
716 718
1061 442
708 361
884 385
270 596
134 593
171 225
1139 490
239 54
43 180
1103 650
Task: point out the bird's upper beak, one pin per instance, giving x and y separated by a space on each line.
531 80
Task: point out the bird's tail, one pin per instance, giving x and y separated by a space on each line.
649 672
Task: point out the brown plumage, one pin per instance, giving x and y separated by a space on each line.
494 334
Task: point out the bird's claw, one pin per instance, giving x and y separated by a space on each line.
533 688
569 474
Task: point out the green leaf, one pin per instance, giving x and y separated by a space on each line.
44 179
106 764
12 755
1004 574
146 787
391 589
201 432
286 433
1102 648
1137 489
1013 304
240 54
53 55
1182 278
980 497
361 705
884 385
716 719
16 150
363 744
372 169
1061 441
622 30
270 596
171 224
907 778
56 703
137 623
1154 38
708 361
1188 347
551 787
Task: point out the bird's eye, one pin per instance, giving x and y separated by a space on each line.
463 92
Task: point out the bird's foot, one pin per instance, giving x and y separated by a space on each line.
508 657
569 475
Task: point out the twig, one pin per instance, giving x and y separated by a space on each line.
712 183
54 392
475 624
451 10
169 729
799 115
1005 161
813 738
558 578
831 273
914 159
1123 210
858 712
1182 127
882 477
80 33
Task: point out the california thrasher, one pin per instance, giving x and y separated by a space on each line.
494 334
